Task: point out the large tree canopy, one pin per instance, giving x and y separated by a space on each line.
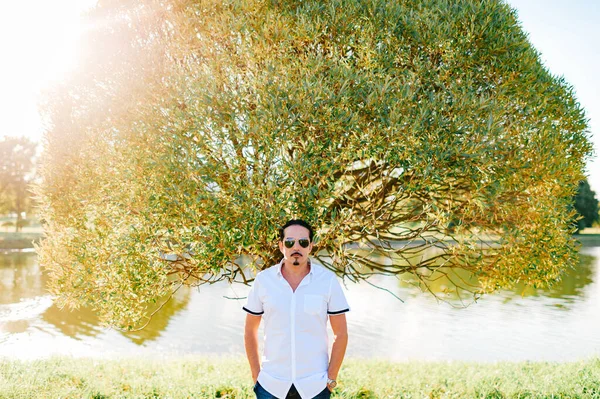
418 137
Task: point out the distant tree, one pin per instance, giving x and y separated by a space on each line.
586 205
17 171
419 137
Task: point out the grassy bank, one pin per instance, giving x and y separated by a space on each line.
195 377
22 240
588 239
18 240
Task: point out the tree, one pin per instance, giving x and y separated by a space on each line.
418 137
17 172
586 205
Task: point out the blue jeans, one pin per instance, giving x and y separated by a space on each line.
262 393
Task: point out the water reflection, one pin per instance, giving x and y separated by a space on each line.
560 326
161 319
20 277
456 286
445 284
556 323
23 299
73 323
572 283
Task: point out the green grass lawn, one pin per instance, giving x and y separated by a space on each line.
197 377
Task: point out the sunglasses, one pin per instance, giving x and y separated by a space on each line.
289 243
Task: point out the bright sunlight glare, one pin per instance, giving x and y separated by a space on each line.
38 41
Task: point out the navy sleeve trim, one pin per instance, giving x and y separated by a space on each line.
251 312
339 311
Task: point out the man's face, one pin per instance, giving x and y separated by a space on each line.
296 255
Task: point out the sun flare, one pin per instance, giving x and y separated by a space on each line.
38 41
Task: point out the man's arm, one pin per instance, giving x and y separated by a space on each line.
340 337
251 344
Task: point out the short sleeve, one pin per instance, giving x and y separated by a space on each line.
337 300
253 304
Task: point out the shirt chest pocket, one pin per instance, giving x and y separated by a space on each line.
314 304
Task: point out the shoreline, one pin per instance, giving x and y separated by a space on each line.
18 241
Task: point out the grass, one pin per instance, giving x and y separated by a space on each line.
196 377
589 236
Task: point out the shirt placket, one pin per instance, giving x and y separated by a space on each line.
293 332
304 281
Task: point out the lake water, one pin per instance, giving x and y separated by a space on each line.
557 324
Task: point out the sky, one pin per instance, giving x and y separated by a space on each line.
567 35
38 43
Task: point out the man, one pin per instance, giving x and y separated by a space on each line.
295 298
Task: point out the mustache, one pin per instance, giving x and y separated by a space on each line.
296 253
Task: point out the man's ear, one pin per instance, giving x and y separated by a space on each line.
281 247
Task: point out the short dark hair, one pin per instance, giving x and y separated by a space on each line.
293 222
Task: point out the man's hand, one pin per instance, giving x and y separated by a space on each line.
340 337
331 383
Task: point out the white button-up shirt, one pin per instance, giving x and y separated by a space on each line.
295 328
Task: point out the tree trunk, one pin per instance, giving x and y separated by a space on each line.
19 207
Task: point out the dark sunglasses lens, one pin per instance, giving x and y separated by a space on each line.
304 242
